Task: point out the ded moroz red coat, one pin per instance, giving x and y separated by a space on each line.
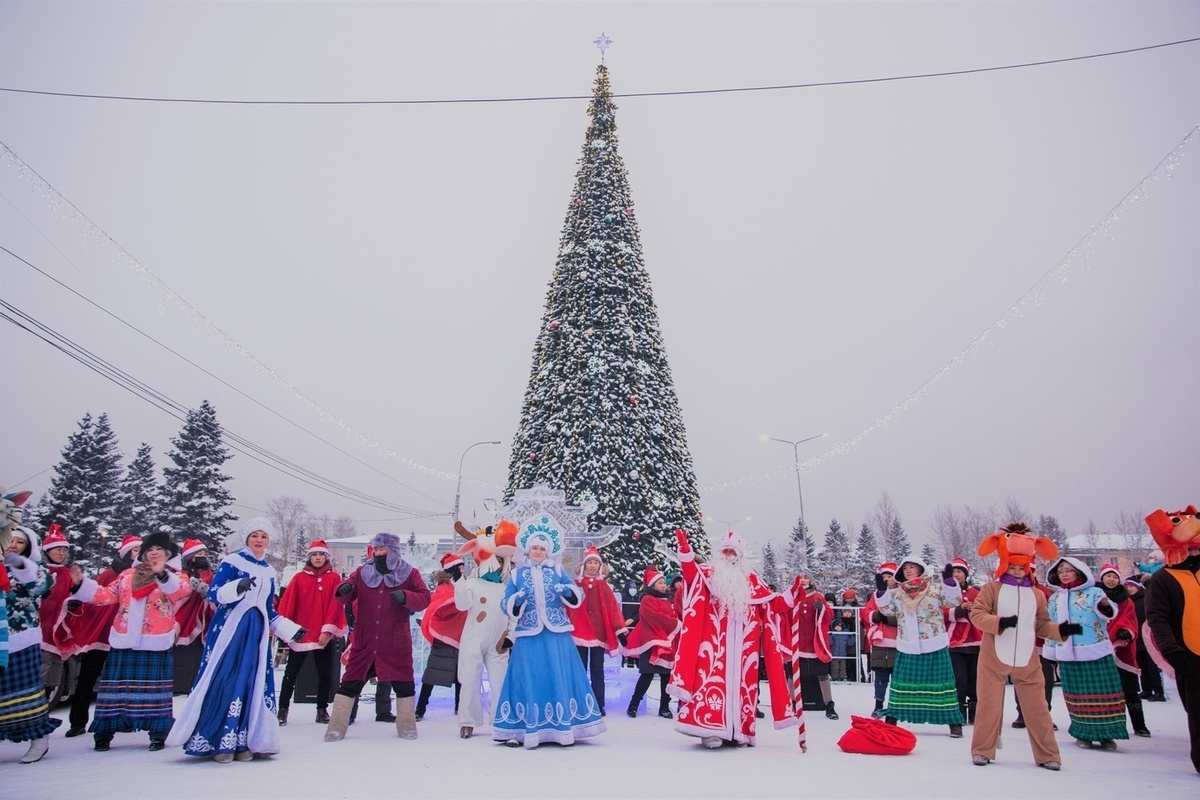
716 668
381 626
598 619
309 601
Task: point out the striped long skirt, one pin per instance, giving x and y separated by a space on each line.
134 694
923 689
24 711
1095 701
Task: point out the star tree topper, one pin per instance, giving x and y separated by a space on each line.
603 43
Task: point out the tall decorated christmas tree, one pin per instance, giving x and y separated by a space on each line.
600 419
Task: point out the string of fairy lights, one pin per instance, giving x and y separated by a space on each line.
1074 260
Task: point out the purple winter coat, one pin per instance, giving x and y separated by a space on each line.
381 627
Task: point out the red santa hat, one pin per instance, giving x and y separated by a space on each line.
128 543
887 566
651 577
317 546
54 538
192 546
1106 568
451 560
961 563
591 554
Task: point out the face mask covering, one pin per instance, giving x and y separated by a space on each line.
380 564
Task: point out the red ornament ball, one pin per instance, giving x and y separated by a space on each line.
637 535
554 325
533 456
633 399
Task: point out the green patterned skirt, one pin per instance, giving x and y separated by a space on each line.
923 689
1092 692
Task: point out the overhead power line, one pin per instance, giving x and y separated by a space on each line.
219 380
87 358
551 98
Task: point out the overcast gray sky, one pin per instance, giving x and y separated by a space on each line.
817 254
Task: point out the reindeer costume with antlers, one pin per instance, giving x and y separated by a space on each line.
1011 613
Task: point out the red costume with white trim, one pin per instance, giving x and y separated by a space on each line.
716 670
443 621
309 601
598 619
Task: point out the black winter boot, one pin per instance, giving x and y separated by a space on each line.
971 713
829 712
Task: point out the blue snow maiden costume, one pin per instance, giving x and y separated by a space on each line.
232 705
546 696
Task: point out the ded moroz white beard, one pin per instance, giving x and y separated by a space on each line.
730 584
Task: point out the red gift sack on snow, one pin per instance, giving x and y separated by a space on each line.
876 737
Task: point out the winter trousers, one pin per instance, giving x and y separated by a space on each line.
1133 703
966 665
593 660
1152 682
91 664
883 676
1189 694
989 714
643 685
1047 667
427 692
471 712
322 659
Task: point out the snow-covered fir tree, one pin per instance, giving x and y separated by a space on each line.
800 553
895 542
84 491
833 572
770 567
193 499
1048 526
136 509
866 559
930 557
600 419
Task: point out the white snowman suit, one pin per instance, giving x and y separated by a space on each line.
485 628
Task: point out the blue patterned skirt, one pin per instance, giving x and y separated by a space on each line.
224 713
546 696
24 711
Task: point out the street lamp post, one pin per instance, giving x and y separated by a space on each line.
729 523
796 455
458 485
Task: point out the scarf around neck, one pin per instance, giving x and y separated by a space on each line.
914 591
398 572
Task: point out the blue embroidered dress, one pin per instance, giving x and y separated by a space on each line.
232 704
546 696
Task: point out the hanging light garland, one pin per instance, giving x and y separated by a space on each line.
1075 259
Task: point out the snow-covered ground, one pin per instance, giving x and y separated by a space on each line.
635 758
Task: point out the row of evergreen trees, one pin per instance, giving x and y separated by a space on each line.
97 503
838 566
841 565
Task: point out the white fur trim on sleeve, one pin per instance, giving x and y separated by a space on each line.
26 573
86 591
284 628
228 592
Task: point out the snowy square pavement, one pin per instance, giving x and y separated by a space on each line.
635 758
